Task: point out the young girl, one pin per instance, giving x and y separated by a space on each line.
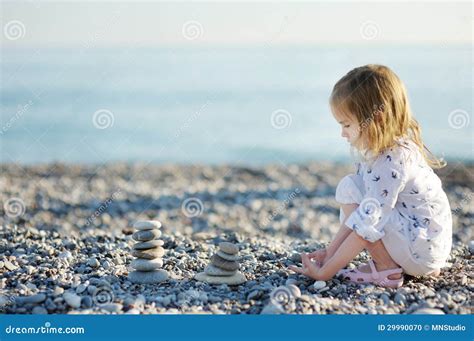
394 206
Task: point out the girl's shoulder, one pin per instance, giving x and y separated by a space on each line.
402 155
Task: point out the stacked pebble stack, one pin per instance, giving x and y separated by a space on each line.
149 252
224 267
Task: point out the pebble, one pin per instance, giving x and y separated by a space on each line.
72 299
385 299
235 279
212 270
81 288
157 252
254 295
93 262
229 248
38 310
33 299
112 307
58 291
319 285
224 264
86 302
148 245
65 255
148 277
230 258
428 311
272 309
9 265
147 225
147 264
400 299
133 311
147 235
291 281
471 247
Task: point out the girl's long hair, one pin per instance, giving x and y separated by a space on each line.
378 99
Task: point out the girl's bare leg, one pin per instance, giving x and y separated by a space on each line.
343 232
377 250
382 259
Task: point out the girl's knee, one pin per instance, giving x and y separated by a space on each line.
345 211
350 190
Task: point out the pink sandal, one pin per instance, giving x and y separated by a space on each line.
375 277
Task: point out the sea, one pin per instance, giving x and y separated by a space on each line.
248 105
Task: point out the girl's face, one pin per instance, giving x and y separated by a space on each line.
350 129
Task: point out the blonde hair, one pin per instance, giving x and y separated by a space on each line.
377 98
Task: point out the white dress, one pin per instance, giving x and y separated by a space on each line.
402 202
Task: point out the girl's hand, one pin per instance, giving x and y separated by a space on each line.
309 268
318 256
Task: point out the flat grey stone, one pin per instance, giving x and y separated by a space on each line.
149 244
235 279
38 310
428 311
157 252
272 309
229 248
144 236
224 264
72 299
147 264
319 285
229 257
211 270
148 277
33 299
147 225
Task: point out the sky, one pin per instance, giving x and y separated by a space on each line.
158 23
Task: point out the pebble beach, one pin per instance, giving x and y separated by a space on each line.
66 240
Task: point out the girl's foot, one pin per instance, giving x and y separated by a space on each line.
434 273
383 278
365 268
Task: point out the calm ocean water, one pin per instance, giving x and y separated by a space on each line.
215 104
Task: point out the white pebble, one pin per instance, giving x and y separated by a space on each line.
319 285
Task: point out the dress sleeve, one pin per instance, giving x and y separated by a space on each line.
384 180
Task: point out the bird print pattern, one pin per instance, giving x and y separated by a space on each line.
402 185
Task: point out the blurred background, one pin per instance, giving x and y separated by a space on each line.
210 83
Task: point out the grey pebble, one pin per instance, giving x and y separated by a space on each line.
385 299
112 307
428 311
86 302
81 288
400 299
33 299
38 310
254 295
9 265
93 262
72 299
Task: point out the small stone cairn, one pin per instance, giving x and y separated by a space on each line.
224 267
149 252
